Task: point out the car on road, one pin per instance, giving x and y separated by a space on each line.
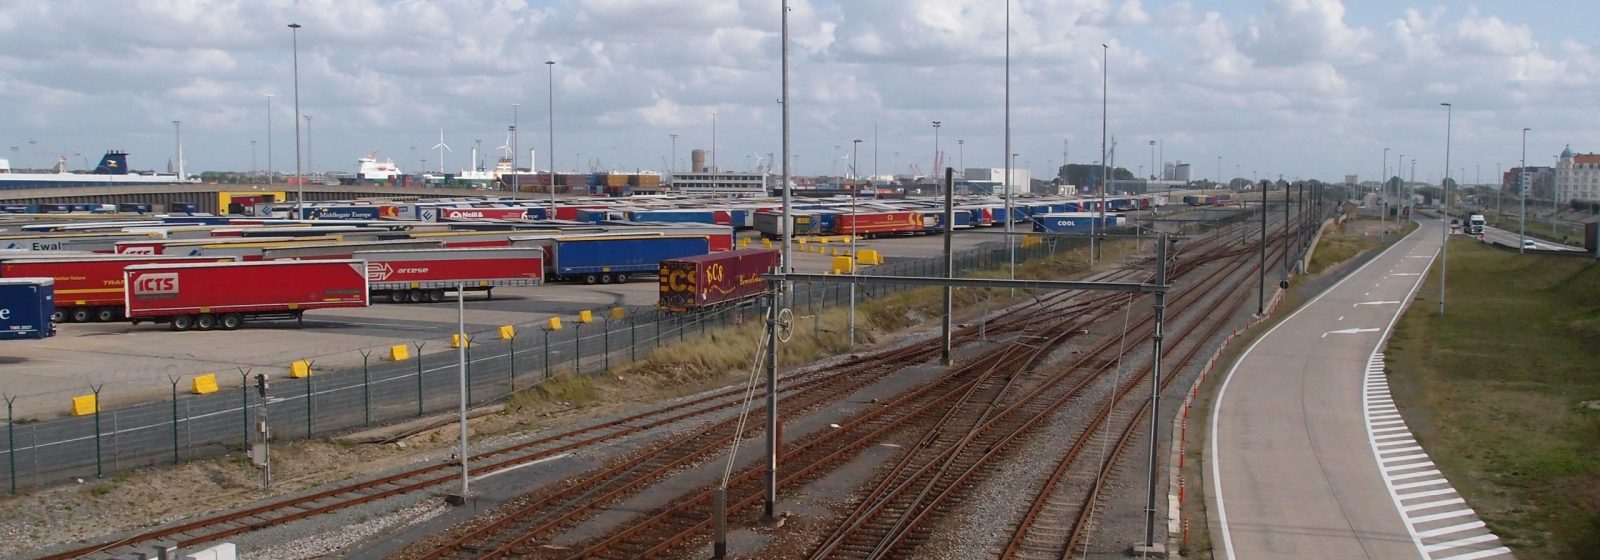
1529 244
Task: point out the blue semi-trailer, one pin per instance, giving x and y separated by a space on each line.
26 305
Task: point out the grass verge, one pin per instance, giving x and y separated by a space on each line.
1502 391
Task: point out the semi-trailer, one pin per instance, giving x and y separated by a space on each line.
717 279
26 307
607 259
205 296
88 288
415 276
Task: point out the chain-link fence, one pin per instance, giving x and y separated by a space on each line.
383 390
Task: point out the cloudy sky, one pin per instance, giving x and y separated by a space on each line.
1302 88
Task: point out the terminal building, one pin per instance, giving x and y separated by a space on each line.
1021 179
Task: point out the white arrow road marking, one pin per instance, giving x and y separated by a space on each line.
1348 331
1374 303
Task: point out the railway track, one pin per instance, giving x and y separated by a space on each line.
291 509
688 517
892 518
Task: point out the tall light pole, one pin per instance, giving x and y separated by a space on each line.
1105 167
1011 247
299 182
1219 173
253 167
961 156
550 80
714 143
671 164
1383 180
310 162
269 137
1522 195
936 125
516 135
1444 230
855 191
777 299
177 131
1153 172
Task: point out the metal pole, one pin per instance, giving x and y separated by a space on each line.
1011 242
516 137
1522 195
577 348
1444 250
853 267
174 381
419 346
244 404
945 355
1105 169
300 196
1261 269
366 386
770 511
266 454
511 365
546 353
550 75
269 137
461 357
719 547
98 470
11 441
1155 391
607 338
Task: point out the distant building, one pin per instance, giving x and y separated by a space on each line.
728 183
1351 180
1541 180
1020 178
1577 177
1177 171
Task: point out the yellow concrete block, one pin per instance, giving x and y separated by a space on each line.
869 257
1031 240
843 265
585 316
83 405
205 384
766 243
455 340
617 313
300 369
822 240
508 332
555 324
399 353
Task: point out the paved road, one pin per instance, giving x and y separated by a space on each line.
1513 239
1309 458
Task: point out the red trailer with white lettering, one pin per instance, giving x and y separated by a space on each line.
89 288
205 296
872 224
420 275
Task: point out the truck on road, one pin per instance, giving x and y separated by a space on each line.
1475 223
419 275
205 296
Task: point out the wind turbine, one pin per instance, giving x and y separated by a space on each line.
441 146
505 148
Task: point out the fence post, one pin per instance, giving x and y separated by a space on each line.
99 471
310 392
547 354
366 386
607 360
419 346
244 404
633 339
511 366
656 341
577 348
468 341
11 441
174 381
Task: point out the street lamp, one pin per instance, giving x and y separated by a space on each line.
1522 195
1153 159
961 156
516 135
855 191
177 131
671 164
269 138
1444 231
1381 202
932 172
300 188
550 80
1105 168
310 163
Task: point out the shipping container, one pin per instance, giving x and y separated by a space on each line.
89 288
342 213
603 260
225 295
92 242
694 283
26 308
329 250
770 223
415 276
458 214
1075 222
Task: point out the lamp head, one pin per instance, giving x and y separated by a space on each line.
294 26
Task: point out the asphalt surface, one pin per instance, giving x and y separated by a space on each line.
1513 239
1308 457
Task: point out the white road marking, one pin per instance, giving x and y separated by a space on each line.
1451 529
1349 331
1376 302
1407 274
1501 551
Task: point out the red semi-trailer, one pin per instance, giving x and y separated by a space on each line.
206 296
425 274
878 223
88 288
699 282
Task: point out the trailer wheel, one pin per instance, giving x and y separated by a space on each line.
80 315
605 278
58 317
231 321
435 296
205 322
182 322
105 315
396 296
622 278
414 296
591 279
